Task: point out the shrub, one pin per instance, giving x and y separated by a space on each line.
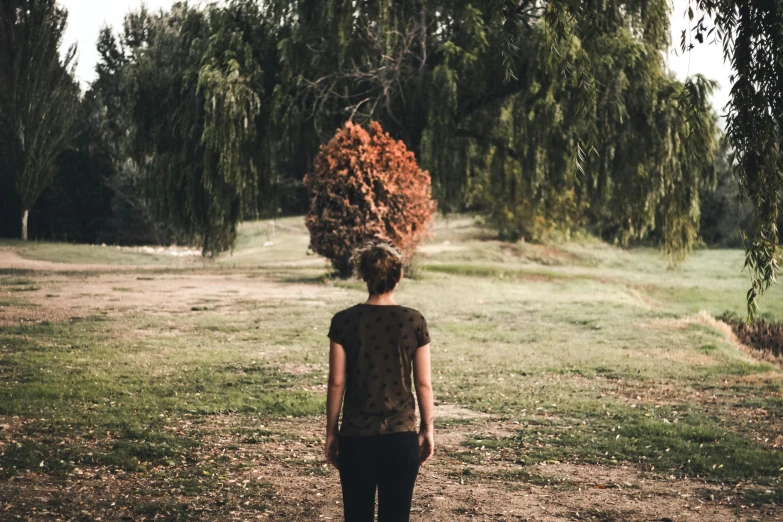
365 185
766 336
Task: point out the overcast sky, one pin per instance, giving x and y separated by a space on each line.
85 18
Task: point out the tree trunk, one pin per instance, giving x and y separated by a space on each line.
24 225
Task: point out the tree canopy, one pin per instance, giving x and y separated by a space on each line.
507 141
556 115
751 33
39 100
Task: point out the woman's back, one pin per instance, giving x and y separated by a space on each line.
374 348
380 342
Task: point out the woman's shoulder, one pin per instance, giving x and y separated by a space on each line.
349 314
346 311
413 312
357 310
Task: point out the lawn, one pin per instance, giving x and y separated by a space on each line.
573 381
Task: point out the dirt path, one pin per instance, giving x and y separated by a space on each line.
448 489
11 260
114 290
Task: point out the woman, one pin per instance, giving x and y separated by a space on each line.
374 346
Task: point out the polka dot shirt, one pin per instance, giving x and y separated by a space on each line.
380 342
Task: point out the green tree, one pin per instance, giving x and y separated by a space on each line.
474 89
179 108
40 100
751 32
193 83
225 108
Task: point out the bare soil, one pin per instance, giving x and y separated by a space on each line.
56 297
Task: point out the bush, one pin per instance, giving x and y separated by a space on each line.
364 186
766 336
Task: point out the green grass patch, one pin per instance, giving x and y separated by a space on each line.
494 272
687 444
577 342
16 282
78 379
86 254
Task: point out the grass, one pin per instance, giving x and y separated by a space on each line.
691 444
597 353
88 254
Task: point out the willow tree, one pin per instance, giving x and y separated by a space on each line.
648 161
475 89
194 86
232 101
751 33
39 101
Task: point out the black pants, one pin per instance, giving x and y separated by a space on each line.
389 462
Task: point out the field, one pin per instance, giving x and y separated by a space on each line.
572 382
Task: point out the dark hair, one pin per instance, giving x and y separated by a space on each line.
379 264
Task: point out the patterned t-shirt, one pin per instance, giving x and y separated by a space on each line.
380 342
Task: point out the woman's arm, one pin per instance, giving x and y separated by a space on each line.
334 398
423 382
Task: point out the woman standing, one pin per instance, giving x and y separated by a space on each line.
374 346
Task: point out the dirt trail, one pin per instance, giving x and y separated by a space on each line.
11 260
495 489
115 290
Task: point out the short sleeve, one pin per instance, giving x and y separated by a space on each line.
336 329
422 332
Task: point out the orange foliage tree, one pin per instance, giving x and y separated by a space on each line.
365 186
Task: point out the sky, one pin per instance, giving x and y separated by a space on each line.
86 17
706 58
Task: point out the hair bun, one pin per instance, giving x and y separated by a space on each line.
379 264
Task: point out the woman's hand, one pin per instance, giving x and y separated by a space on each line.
426 445
331 449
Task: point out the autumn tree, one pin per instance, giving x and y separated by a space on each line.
366 185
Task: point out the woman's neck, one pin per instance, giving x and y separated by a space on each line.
380 299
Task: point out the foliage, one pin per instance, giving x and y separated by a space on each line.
751 33
132 220
647 163
509 143
82 182
194 102
39 100
364 186
752 36
765 336
723 213
214 114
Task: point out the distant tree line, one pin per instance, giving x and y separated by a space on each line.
202 116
